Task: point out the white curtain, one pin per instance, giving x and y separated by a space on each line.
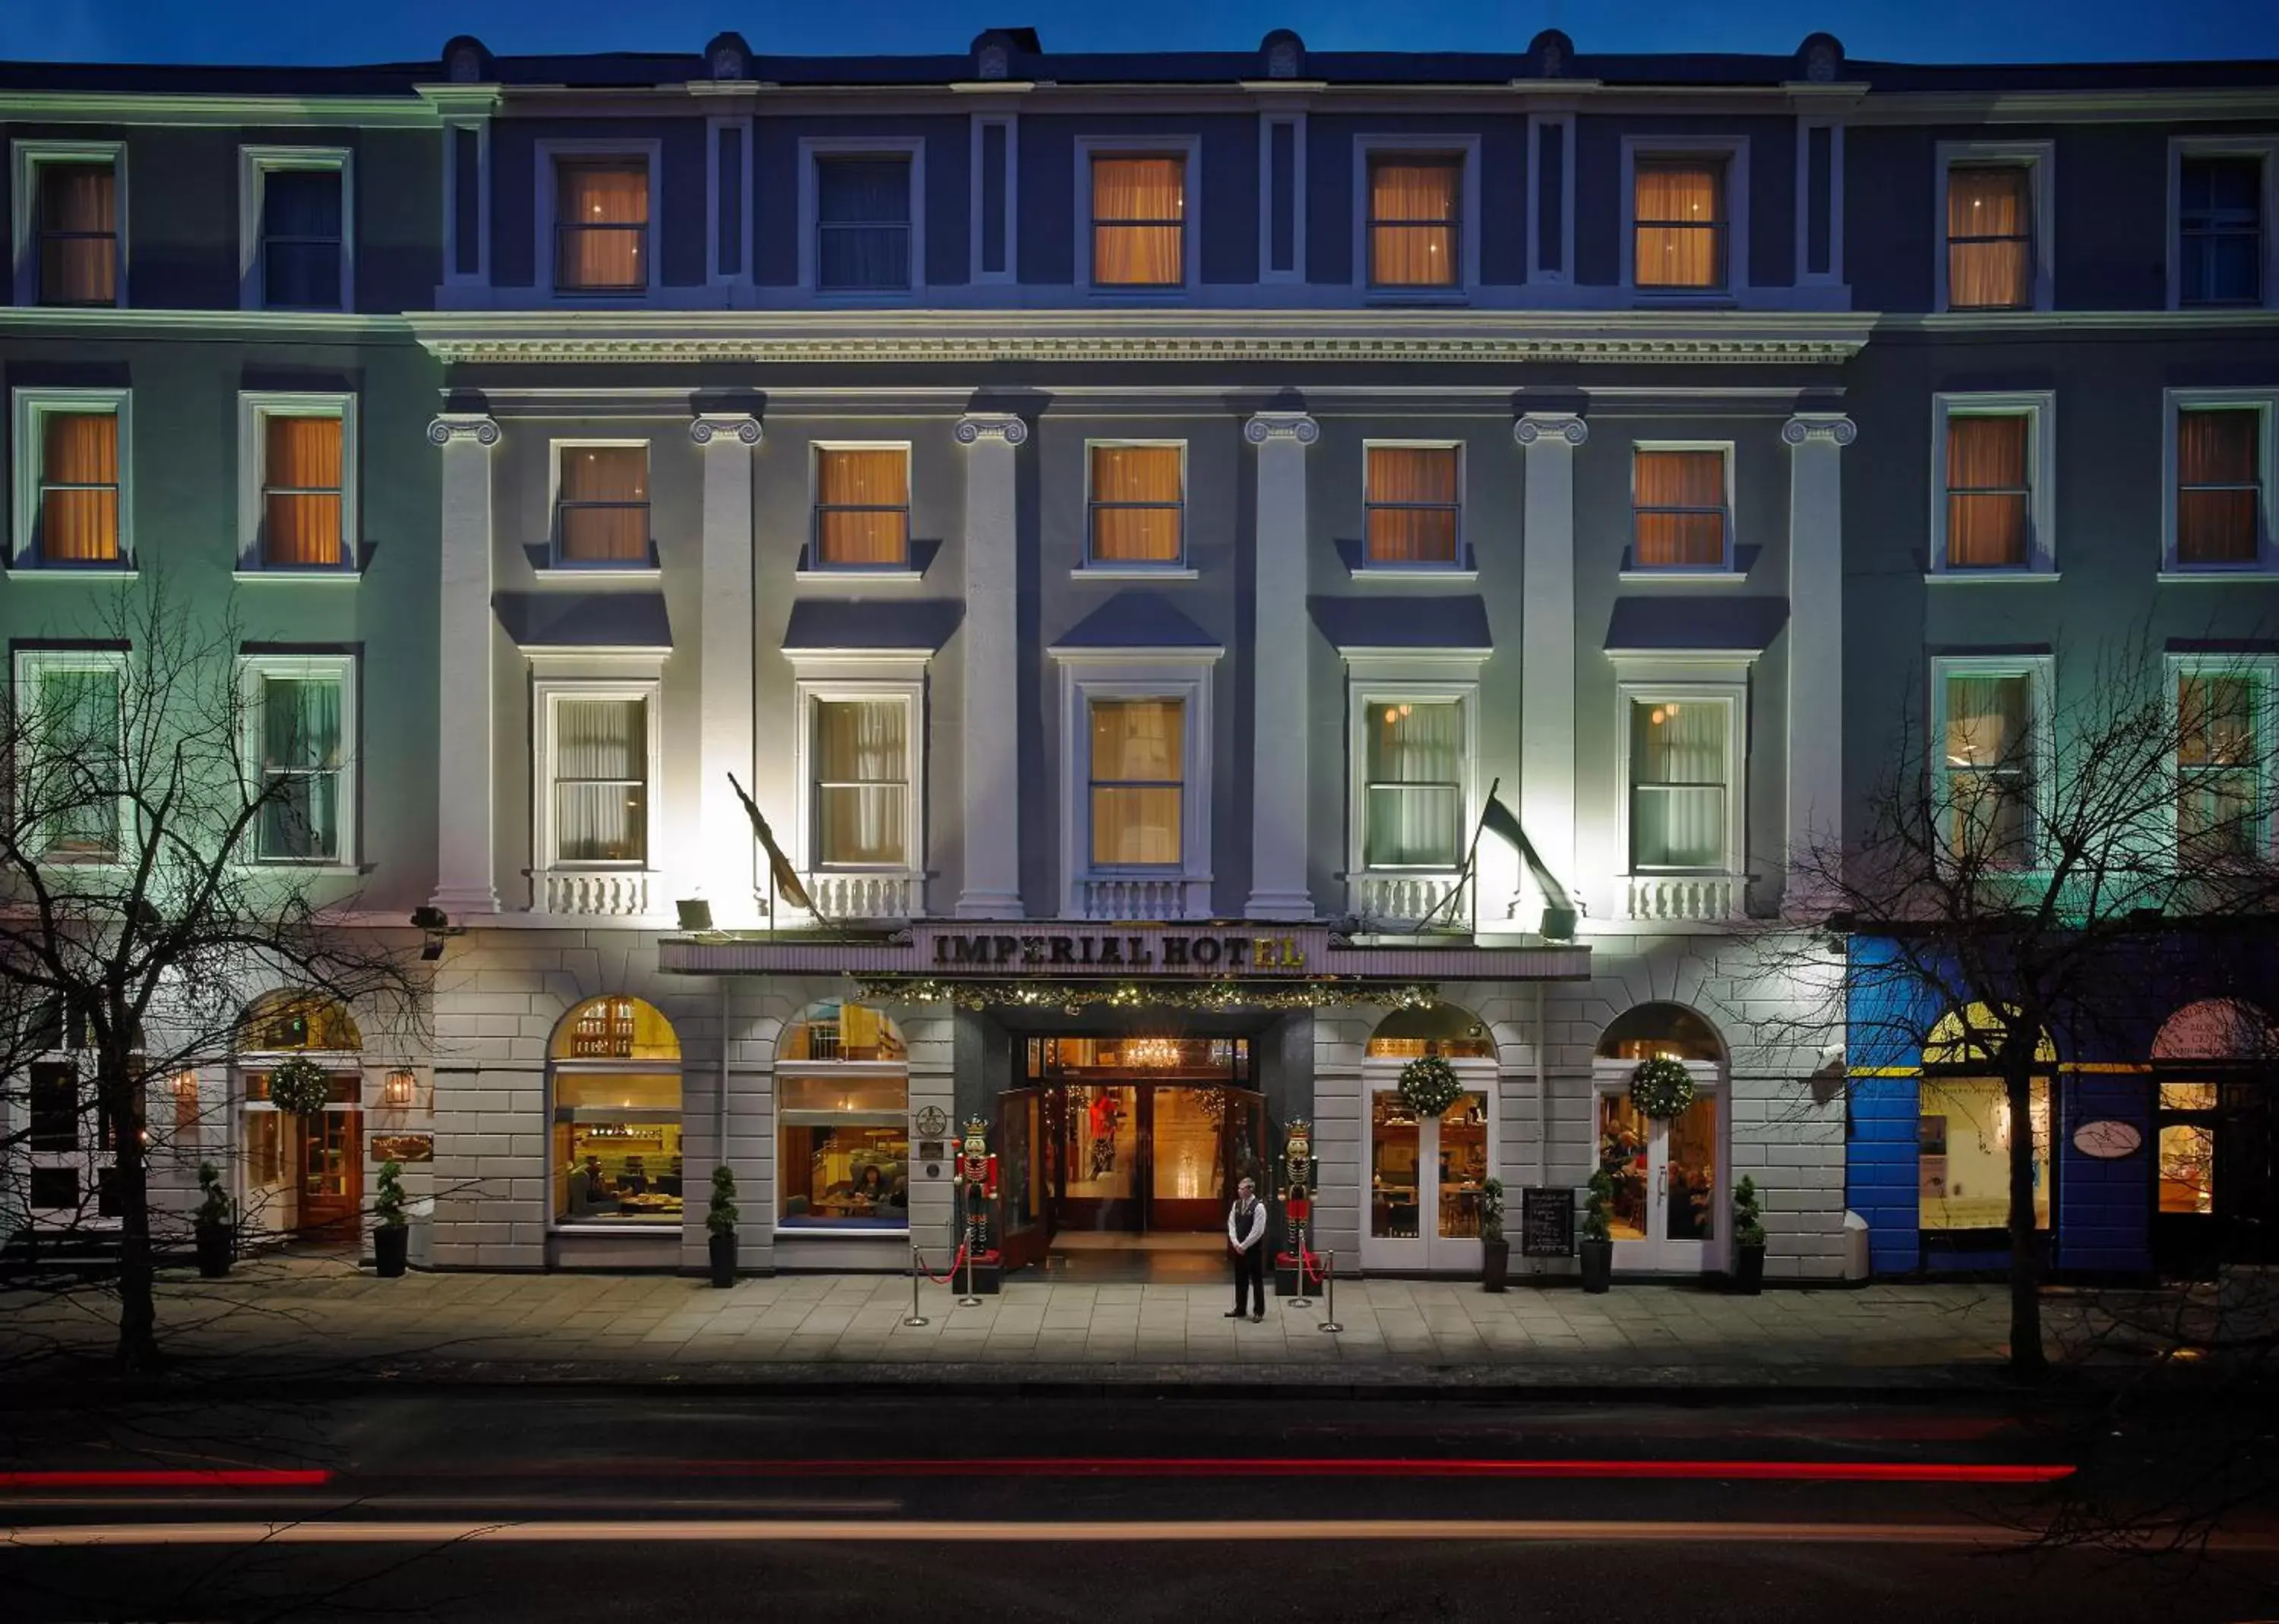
1414 763
1677 784
1137 768
600 771
861 782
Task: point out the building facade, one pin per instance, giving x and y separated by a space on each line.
1125 521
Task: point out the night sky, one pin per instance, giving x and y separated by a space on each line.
267 31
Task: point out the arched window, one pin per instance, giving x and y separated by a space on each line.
2202 1054
1446 1030
1661 1032
1964 1124
836 1030
287 1019
615 1077
842 1122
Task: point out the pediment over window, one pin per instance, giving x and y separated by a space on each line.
589 621
1136 620
1444 625
916 626
1741 627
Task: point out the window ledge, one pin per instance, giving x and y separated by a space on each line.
1141 295
33 572
844 578
838 1232
640 1229
349 576
555 574
1400 572
1387 296
1938 576
1131 572
1685 298
311 870
2260 572
1690 578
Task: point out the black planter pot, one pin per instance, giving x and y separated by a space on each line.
1495 1263
389 1248
723 1259
216 1246
1748 1271
1598 1265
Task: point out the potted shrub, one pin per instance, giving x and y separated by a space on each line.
392 1240
1748 1238
1495 1251
721 1220
1598 1239
215 1224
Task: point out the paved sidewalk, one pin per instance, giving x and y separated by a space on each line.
303 1316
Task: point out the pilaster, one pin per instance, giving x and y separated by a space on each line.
465 881
1547 700
725 871
991 632
1815 629
1280 802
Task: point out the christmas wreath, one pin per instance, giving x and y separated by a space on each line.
1661 1087
300 1086
1429 1086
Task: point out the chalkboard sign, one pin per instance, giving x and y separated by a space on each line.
1547 1223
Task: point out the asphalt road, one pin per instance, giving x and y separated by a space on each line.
573 1507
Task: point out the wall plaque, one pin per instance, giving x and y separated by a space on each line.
403 1147
2107 1140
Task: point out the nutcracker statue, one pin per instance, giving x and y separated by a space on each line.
1301 1175
976 1180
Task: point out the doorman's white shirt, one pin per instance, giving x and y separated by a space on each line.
1257 1225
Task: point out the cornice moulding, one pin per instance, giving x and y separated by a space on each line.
146 107
33 319
1086 337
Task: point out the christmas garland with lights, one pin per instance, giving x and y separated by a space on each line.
1429 1086
299 1086
1206 997
1661 1087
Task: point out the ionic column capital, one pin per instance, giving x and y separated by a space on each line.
1533 427
463 425
740 426
1281 425
1831 426
977 427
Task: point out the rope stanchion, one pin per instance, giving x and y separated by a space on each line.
1330 1296
914 1317
1305 1268
950 1277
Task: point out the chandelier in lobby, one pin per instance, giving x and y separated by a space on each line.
1156 1054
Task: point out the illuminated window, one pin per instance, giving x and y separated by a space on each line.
844 1153
1678 223
1413 503
617 1099
1138 221
1988 765
1138 505
1963 1154
1678 510
1990 237
600 226
1415 220
1138 788
1413 795
861 508
601 507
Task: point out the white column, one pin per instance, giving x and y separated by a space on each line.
1816 627
1280 797
992 741
725 871
465 851
1546 649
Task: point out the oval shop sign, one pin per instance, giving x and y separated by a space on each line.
2107 1140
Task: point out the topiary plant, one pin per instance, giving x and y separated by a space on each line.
388 1205
214 1208
1748 1213
1492 1210
721 1220
1595 1227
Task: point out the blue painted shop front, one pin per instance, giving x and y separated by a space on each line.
2155 1138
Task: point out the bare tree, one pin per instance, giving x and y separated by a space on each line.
2017 866
161 852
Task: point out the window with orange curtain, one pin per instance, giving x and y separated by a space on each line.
602 506
1138 504
2219 486
1678 213
1413 504
1139 222
79 488
1679 497
600 225
1987 492
301 491
76 209
1989 240
861 508
1138 775
1416 221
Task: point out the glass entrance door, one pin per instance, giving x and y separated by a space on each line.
1668 1208
332 1174
1425 1178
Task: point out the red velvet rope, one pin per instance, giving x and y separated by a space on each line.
954 1262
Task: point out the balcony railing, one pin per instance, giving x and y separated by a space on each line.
840 895
1169 897
1683 897
595 893
1404 898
